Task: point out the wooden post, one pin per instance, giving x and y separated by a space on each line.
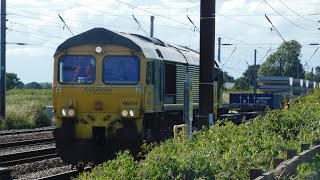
315 143
277 161
254 173
291 153
304 147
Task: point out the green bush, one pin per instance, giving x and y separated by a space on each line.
26 109
309 170
226 150
123 167
41 118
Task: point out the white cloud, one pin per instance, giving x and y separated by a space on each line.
47 31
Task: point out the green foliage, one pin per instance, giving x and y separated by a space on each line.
41 118
26 109
12 81
227 78
123 167
284 62
226 150
313 76
33 85
309 169
46 85
247 81
241 84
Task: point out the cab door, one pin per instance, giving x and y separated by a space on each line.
155 86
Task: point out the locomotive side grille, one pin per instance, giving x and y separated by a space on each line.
180 78
194 73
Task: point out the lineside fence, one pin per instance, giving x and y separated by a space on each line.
282 169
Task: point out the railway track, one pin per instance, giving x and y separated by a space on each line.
65 175
26 142
26 131
28 156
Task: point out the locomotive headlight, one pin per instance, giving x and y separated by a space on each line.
64 112
124 113
98 49
71 112
131 112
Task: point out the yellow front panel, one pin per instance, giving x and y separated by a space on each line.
99 104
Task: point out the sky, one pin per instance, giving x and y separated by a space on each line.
241 23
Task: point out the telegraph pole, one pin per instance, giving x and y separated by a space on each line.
207 37
255 73
151 25
219 49
3 61
280 67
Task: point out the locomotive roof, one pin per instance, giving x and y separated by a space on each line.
152 48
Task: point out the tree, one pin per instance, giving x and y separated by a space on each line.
249 74
12 81
247 80
33 85
227 77
313 76
241 83
284 62
46 85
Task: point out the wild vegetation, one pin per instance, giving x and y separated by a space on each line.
226 150
26 108
309 170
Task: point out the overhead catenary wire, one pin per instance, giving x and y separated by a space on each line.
264 56
196 28
65 24
128 17
275 28
28 44
311 56
35 30
288 19
229 56
264 27
159 15
51 22
194 2
34 36
140 27
297 13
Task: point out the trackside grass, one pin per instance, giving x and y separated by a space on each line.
225 151
26 109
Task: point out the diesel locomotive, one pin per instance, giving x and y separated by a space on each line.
112 90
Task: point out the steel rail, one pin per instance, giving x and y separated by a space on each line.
26 131
27 142
27 157
65 175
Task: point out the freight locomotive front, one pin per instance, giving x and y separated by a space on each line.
97 95
112 89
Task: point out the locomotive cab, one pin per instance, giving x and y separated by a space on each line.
113 90
98 98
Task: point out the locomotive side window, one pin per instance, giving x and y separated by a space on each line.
121 70
77 69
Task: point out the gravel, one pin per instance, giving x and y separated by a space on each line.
22 130
45 173
25 136
39 169
14 150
